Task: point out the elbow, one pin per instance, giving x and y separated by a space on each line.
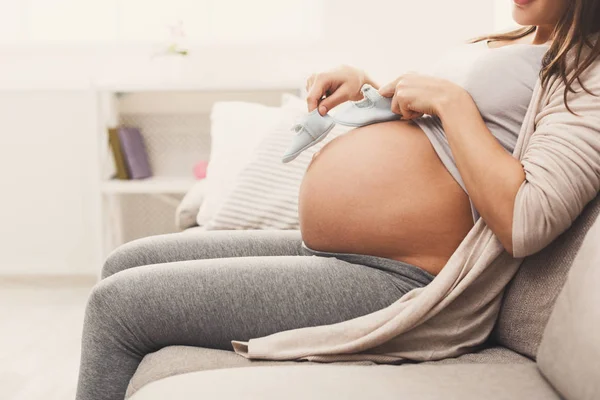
503 228
509 250
506 241
515 246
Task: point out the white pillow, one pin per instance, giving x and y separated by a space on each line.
236 129
265 193
187 210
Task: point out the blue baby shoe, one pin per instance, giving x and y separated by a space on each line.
310 129
372 109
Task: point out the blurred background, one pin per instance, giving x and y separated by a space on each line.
72 69
57 55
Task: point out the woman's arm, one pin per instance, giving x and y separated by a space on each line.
526 202
558 170
491 175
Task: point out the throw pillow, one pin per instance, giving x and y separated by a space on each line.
265 193
187 210
236 129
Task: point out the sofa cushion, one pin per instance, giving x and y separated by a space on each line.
353 382
569 354
492 355
530 296
176 360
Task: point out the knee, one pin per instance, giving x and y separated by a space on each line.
110 311
101 302
115 262
128 255
116 295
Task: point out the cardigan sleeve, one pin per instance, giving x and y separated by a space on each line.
562 167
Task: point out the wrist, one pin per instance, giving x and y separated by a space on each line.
452 101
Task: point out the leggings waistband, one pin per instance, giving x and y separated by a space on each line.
385 264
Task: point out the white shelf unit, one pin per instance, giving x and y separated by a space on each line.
175 124
151 185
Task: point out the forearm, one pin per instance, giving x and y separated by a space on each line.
491 175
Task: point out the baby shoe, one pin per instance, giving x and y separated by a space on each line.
372 109
311 129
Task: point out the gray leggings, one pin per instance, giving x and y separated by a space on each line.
209 287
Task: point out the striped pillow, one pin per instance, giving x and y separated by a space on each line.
265 193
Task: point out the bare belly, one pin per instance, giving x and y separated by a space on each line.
382 190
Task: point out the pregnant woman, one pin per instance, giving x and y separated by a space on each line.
382 208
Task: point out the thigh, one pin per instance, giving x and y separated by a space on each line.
198 245
210 302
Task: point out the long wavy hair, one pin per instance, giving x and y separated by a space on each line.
573 31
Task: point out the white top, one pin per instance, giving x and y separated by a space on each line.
500 81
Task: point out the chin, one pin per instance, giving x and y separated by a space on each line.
538 12
524 16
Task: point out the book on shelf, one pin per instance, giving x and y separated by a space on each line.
115 146
129 150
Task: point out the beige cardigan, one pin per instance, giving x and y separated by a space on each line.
560 154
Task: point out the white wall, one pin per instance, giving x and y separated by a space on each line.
47 111
46 175
389 37
386 37
503 15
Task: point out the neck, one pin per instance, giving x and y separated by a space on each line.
542 34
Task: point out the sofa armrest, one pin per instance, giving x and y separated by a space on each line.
185 215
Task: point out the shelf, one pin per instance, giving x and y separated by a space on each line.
150 185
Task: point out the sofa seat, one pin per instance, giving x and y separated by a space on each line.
176 360
354 382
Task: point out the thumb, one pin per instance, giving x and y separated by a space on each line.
336 98
388 90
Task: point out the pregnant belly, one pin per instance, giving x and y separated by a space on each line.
382 190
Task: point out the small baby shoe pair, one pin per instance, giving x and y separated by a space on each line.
312 128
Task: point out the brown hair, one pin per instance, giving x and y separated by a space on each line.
573 31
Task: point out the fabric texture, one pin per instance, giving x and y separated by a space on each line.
530 296
236 129
355 382
264 194
569 355
560 154
177 360
500 81
204 289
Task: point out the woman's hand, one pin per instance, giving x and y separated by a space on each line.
414 95
338 85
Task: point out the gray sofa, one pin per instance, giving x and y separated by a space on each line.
545 345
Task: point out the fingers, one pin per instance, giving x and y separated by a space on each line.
401 106
325 85
415 115
336 98
395 105
319 87
388 90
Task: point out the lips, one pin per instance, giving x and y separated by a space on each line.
522 2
